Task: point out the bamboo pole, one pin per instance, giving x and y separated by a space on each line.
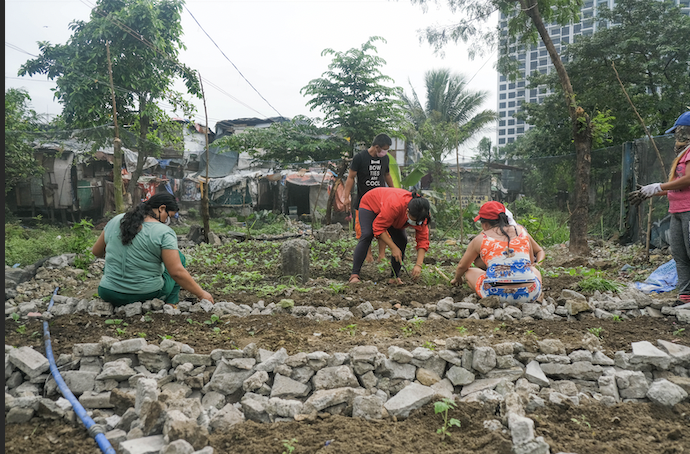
205 194
117 143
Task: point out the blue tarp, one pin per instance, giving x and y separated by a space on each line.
663 279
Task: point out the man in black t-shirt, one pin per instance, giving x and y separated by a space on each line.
371 169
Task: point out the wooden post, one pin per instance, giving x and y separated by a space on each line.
457 166
205 193
117 144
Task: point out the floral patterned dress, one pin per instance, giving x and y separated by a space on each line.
508 263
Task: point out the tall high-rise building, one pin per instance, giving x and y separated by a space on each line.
511 95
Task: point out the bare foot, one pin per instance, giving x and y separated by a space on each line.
354 279
369 258
396 281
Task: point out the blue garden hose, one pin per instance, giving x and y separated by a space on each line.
95 430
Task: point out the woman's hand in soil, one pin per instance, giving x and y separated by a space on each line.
206 296
416 272
396 253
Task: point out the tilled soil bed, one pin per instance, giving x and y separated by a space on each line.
589 427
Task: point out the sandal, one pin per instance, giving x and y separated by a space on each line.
354 279
396 281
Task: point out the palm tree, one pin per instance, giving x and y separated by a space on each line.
449 117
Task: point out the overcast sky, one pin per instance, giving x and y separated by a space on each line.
276 44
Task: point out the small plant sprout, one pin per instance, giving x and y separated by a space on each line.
165 336
214 319
142 335
617 318
596 331
289 445
498 328
21 329
407 331
113 321
15 316
581 421
430 345
679 332
462 330
216 330
121 331
417 323
352 329
442 407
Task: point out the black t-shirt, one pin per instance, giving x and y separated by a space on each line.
371 173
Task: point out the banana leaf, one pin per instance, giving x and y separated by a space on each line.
394 170
413 178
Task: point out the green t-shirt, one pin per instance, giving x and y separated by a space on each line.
137 267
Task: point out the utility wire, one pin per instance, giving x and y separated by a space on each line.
226 57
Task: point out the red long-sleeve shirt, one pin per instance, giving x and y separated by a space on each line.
390 207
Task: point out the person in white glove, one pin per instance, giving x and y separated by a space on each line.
677 189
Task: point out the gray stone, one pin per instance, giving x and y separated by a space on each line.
255 382
680 353
534 374
450 356
226 418
427 377
285 387
325 398
116 437
29 361
601 359
173 348
663 392
318 360
396 370
93 349
213 399
567 294
631 384
295 258
335 377
302 374
218 354
551 347
443 389
410 398
153 358
145 445
580 370
367 407
608 387
459 376
226 382
147 388
646 353
91 400
128 346
194 359
18 415
274 360
242 363
399 355
79 381
480 385
178 447
484 359
116 370
521 429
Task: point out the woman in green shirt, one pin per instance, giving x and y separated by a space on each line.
142 260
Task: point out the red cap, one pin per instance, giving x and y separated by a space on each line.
490 210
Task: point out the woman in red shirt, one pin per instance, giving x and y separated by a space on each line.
384 213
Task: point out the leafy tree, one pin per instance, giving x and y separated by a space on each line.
145 39
448 117
19 154
525 25
646 41
298 140
354 96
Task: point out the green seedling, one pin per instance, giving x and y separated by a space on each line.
289 445
596 331
679 332
417 323
581 421
529 332
430 345
442 407
21 329
142 335
35 334
462 330
352 329
336 287
113 321
166 336
617 318
15 316
121 331
216 330
148 318
286 303
498 328
214 319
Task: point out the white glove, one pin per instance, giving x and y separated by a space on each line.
650 189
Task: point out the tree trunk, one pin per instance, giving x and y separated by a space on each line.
141 158
582 136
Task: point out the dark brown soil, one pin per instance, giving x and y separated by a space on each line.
624 428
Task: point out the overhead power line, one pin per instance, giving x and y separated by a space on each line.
226 57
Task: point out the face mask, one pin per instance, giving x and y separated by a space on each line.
167 221
411 222
382 153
